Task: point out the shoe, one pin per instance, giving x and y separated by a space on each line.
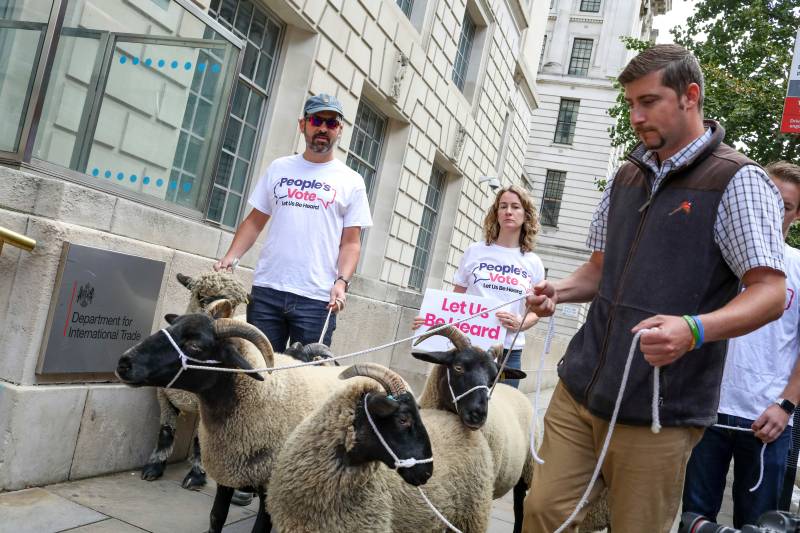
241 498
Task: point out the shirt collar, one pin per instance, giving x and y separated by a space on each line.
650 158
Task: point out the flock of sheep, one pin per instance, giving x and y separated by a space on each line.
327 449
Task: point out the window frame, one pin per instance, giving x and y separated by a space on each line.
439 173
32 112
572 125
464 58
555 180
597 3
572 68
267 94
373 185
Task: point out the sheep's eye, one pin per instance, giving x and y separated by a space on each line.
404 421
193 347
458 368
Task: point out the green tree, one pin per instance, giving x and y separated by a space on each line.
745 51
621 133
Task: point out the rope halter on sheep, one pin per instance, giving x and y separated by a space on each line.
183 358
394 386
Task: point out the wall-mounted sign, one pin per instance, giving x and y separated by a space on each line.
790 123
103 303
442 307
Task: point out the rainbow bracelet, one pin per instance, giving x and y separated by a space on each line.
702 337
695 331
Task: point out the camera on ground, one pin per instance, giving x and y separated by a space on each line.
769 522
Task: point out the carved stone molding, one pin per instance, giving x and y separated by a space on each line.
458 145
399 75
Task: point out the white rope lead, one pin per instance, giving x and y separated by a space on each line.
439 515
655 425
585 498
354 354
551 329
406 463
339 304
763 449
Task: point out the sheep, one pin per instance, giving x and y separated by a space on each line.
205 289
245 418
329 477
467 366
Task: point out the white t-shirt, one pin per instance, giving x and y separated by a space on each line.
309 205
759 364
502 274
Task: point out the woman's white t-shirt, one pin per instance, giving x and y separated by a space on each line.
309 205
502 274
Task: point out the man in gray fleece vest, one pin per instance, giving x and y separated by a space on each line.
684 221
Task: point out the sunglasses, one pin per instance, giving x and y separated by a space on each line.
331 123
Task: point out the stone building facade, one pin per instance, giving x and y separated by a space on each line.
140 126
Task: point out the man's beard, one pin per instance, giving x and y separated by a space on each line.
660 143
321 148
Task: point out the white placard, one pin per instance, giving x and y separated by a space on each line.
443 307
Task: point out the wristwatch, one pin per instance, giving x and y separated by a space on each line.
786 405
346 283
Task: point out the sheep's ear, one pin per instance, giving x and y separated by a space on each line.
170 318
297 345
437 358
220 309
234 358
382 406
512 373
185 280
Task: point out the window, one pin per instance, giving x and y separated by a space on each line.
365 144
581 55
567 118
138 113
551 199
430 214
465 42
21 36
262 35
406 6
590 6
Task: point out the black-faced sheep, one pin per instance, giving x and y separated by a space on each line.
205 289
245 418
505 419
334 476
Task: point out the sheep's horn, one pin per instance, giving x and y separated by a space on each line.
391 381
458 339
225 328
496 352
317 349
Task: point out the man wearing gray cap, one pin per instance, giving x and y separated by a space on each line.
317 206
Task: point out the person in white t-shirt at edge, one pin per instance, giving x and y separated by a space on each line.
503 266
317 206
760 390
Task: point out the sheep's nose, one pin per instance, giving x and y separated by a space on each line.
123 367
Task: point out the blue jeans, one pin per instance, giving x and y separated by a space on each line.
708 468
514 361
283 316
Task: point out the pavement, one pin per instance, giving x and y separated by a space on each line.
124 503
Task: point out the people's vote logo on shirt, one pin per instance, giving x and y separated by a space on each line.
501 277
304 193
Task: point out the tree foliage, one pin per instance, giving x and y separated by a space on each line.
745 51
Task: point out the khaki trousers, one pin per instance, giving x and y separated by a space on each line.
643 471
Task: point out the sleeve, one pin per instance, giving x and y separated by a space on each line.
596 241
749 219
260 197
461 277
357 213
